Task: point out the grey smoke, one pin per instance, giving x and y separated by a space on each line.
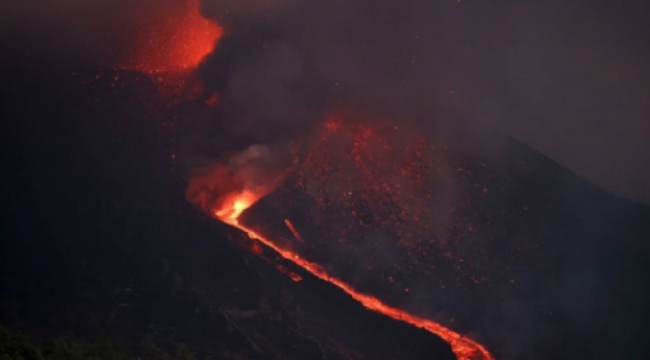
567 78
256 169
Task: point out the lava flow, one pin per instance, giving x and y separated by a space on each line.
293 230
464 347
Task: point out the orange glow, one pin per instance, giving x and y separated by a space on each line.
236 205
292 275
464 347
170 37
293 230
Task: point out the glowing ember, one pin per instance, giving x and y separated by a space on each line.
295 277
257 249
175 39
293 230
375 188
464 347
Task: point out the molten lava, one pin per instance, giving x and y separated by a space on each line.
236 205
293 230
464 347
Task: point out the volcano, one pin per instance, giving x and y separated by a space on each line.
376 242
505 251
553 271
580 280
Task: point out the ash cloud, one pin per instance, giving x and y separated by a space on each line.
283 66
566 78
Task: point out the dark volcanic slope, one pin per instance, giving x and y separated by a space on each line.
96 238
539 263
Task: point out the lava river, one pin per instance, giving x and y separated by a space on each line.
463 347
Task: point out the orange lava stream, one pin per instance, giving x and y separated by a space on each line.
293 230
464 347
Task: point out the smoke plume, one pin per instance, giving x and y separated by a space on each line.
469 73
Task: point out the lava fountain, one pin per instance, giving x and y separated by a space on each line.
464 347
173 37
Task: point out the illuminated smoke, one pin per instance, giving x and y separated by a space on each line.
234 184
169 36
